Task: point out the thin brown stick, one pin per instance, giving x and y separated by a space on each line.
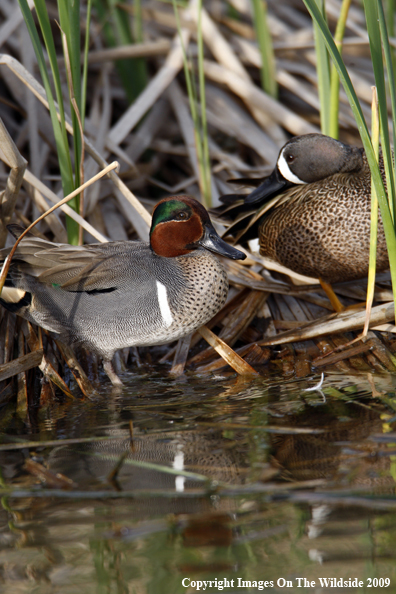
7 261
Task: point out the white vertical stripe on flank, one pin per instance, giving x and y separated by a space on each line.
164 304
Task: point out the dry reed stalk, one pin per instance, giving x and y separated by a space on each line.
22 363
230 356
79 374
345 321
256 98
38 186
135 50
12 157
181 354
45 366
153 91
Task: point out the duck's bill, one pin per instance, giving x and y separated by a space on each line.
272 185
213 242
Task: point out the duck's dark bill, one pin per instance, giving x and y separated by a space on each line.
213 242
271 186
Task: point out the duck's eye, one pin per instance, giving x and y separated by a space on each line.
290 158
181 216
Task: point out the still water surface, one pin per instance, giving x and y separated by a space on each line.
224 479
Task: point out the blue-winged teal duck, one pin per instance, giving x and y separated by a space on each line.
312 214
124 293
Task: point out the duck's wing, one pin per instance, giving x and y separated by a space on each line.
234 204
242 220
95 267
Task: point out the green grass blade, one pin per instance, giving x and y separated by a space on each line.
323 72
389 62
334 78
390 10
364 134
264 40
85 65
64 159
390 15
375 134
372 18
65 165
78 133
45 27
206 172
192 97
58 125
187 74
70 22
138 21
69 16
125 36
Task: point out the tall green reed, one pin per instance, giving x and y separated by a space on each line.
264 40
379 47
390 12
197 101
70 25
375 139
328 79
323 71
373 10
334 78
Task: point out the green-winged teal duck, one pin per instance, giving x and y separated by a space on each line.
312 214
125 293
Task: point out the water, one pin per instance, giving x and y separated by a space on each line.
270 488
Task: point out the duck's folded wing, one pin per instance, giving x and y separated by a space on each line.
72 268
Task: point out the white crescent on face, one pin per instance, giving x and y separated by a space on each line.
284 170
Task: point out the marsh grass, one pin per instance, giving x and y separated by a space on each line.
334 77
69 23
375 137
323 71
197 102
264 41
